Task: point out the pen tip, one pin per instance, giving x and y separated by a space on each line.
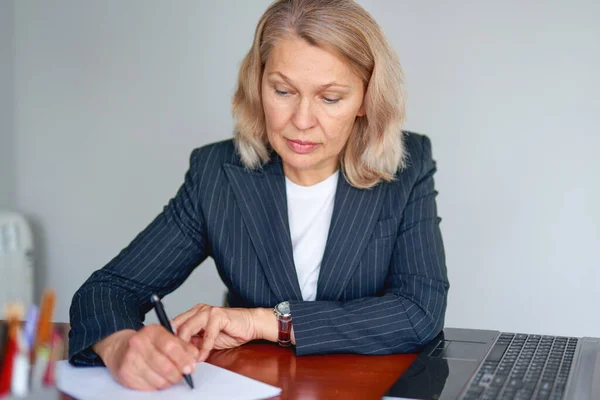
189 381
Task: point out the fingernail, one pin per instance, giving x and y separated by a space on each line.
187 369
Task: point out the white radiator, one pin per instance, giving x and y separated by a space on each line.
16 260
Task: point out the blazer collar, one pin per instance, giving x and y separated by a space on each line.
261 197
262 201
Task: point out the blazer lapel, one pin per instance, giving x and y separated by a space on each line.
262 201
355 212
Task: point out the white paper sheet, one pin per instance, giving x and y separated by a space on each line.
210 382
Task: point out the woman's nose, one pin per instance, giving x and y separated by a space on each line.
304 117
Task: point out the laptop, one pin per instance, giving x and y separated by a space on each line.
470 364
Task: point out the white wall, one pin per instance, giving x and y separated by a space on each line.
111 98
7 148
508 92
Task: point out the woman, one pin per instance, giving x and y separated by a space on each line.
320 207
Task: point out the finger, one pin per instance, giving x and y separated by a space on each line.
182 354
165 367
160 364
135 375
159 345
194 324
218 321
197 342
190 349
154 368
154 379
181 318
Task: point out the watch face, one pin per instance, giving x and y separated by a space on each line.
284 308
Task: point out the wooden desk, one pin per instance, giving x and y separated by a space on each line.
343 376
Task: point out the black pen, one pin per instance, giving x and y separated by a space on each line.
164 321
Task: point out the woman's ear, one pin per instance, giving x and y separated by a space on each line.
361 111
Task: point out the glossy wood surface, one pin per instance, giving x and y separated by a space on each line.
334 376
337 376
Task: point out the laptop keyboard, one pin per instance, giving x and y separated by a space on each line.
521 366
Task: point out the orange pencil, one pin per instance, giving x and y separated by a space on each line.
42 347
44 327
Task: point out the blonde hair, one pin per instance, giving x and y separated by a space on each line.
375 149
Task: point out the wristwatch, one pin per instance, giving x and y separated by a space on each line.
284 323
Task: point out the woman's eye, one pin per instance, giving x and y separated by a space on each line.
281 92
330 100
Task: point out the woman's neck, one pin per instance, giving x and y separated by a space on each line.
308 177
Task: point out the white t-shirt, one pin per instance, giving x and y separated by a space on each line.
309 213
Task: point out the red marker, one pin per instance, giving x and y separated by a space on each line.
12 347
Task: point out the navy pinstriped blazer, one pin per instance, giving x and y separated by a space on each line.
383 283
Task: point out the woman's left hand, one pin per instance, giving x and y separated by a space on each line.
221 328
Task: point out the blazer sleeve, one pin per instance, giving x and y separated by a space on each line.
158 260
411 311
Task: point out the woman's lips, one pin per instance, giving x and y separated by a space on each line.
300 146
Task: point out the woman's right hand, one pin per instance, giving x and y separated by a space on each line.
149 359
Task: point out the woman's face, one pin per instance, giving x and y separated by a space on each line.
311 99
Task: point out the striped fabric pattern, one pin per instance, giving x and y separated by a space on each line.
383 282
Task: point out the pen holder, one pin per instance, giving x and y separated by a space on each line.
29 350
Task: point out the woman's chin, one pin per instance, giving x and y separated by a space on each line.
299 162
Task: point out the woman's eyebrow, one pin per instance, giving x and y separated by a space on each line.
282 76
321 87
